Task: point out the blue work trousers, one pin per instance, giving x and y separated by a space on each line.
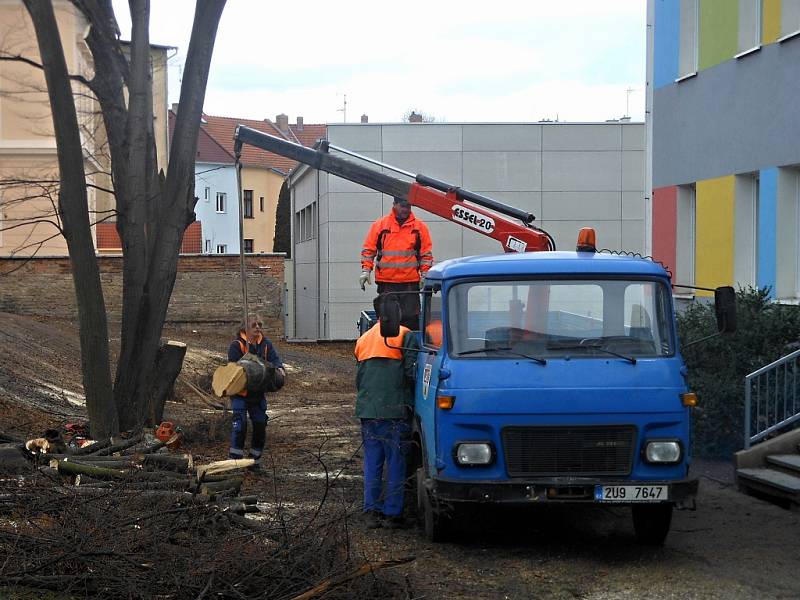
242 407
386 442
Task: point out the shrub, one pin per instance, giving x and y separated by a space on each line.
717 367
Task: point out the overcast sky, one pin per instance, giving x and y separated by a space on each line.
458 61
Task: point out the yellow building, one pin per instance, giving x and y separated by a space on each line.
28 158
262 172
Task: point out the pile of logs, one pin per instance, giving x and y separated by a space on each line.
149 469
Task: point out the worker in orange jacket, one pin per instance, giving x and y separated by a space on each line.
399 248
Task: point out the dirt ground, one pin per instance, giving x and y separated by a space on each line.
733 546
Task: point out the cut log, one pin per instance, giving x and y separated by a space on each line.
92 448
229 380
169 362
120 445
71 468
221 466
172 462
224 476
229 486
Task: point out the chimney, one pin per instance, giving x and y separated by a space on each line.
414 117
364 119
299 123
282 121
175 107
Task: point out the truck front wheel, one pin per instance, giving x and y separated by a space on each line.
651 523
435 522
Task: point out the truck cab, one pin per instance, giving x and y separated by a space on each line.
551 378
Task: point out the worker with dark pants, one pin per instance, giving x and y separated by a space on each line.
385 400
250 339
398 246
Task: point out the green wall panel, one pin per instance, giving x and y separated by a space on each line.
719 31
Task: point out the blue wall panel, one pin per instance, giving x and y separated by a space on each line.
666 42
767 224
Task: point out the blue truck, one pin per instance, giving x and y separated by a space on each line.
543 377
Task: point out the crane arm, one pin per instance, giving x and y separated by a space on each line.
468 209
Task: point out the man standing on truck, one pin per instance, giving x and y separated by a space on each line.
385 401
399 247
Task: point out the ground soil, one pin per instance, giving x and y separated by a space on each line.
733 546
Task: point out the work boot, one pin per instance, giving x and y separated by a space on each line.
372 519
397 522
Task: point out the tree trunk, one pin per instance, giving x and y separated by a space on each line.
73 207
173 212
169 362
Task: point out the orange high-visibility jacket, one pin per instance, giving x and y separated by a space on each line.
398 253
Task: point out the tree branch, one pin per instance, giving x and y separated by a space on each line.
4 56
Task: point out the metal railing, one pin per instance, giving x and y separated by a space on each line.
771 398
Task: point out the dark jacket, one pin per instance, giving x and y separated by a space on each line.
385 378
263 349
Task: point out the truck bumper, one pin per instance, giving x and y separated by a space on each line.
682 493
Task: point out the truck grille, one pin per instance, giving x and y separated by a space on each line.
577 451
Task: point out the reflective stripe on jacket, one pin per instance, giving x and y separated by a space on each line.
398 253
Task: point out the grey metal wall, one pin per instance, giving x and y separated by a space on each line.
736 117
569 175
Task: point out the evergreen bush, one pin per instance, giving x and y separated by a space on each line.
717 368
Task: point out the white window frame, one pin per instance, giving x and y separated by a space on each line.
686 237
789 8
222 248
750 14
208 247
686 54
207 196
745 238
222 201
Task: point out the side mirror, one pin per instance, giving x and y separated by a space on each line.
725 309
390 318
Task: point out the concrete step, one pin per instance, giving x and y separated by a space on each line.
788 462
771 482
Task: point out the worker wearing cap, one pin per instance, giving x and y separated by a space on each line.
398 247
385 400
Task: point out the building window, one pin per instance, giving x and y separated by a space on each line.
689 31
248 246
305 223
207 194
749 24
208 247
790 17
222 249
745 234
248 204
261 203
685 237
222 198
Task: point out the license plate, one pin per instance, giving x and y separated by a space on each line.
631 493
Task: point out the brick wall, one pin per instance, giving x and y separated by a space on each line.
207 288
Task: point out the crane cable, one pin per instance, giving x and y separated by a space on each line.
242 269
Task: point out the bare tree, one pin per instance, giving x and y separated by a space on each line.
153 208
417 116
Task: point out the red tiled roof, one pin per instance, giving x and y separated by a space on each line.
209 150
108 238
223 128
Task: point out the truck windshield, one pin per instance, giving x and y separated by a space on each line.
586 318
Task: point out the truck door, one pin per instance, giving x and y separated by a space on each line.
428 370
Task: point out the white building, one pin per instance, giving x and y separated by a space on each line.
568 175
217 206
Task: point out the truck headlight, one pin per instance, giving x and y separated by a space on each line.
474 453
663 452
